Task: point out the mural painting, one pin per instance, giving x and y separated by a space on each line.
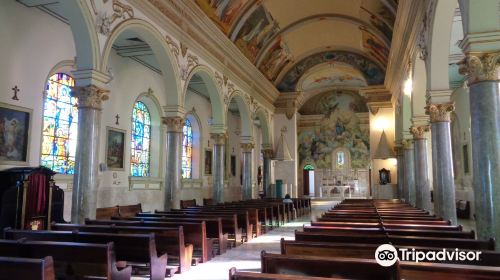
374 46
383 20
278 56
331 74
373 73
256 32
223 12
339 127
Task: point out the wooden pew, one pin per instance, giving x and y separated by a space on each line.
133 248
397 240
402 232
188 203
367 251
376 220
388 226
326 267
208 201
168 240
240 275
213 225
130 210
195 233
27 269
107 212
85 259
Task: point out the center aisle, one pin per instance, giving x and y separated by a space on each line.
247 256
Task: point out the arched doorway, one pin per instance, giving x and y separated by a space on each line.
308 179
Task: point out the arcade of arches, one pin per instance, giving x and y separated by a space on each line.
157 101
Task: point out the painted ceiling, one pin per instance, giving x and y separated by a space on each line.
288 40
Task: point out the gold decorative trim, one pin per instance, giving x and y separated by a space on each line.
219 138
247 147
90 96
419 131
480 67
267 153
440 112
174 124
407 144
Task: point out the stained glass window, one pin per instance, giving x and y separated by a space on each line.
141 136
187 151
60 125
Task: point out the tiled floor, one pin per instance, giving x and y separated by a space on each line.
247 256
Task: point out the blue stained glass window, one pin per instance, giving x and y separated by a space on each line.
60 125
140 144
187 151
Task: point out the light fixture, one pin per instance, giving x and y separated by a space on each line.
383 150
380 124
282 152
408 87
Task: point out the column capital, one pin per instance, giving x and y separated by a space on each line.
407 144
440 112
247 147
398 149
267 153
174 124
419 131
90 96
219 138
480 67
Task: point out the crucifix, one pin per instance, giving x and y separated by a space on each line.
16 90
117 119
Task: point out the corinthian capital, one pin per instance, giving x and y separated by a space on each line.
247 147
440 112
219 138
90 96
267 153
419 131
407 144
174 124
481 67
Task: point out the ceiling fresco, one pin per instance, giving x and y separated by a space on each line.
330 75
286 38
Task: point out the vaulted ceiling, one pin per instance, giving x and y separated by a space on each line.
304 45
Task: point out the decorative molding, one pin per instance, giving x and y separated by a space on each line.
219 138
247 147
407 144
174 124
90 96
174 48
480 67
398 149
267 152
440 112
419 131
374 107
103 23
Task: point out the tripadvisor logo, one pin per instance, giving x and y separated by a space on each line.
387 255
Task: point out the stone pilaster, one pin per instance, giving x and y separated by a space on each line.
267 154
409 172
422 185
247 149
173 171
442 161
85 180
219 140
483 71
398 149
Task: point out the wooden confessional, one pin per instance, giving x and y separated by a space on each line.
29 198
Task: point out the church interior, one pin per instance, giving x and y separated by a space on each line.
249 139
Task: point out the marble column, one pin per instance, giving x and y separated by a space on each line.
85 180
247 148
484 91
400 165
423 191
267 155
409 172
173 164
218 166
442 161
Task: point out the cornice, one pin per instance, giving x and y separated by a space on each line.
186 22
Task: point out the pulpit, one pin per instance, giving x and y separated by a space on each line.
29 198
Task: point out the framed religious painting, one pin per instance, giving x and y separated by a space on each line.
115 148
15 129
208 162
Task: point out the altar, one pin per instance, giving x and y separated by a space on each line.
337 191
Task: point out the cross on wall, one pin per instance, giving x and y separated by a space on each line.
16 90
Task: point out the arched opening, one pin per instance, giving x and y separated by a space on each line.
308 173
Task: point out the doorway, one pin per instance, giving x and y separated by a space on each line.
308 176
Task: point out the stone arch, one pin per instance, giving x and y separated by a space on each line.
166 60
246 119
439 45
264 124
84 33
215 93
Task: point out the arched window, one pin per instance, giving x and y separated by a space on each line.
187 151
140 144
60 125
